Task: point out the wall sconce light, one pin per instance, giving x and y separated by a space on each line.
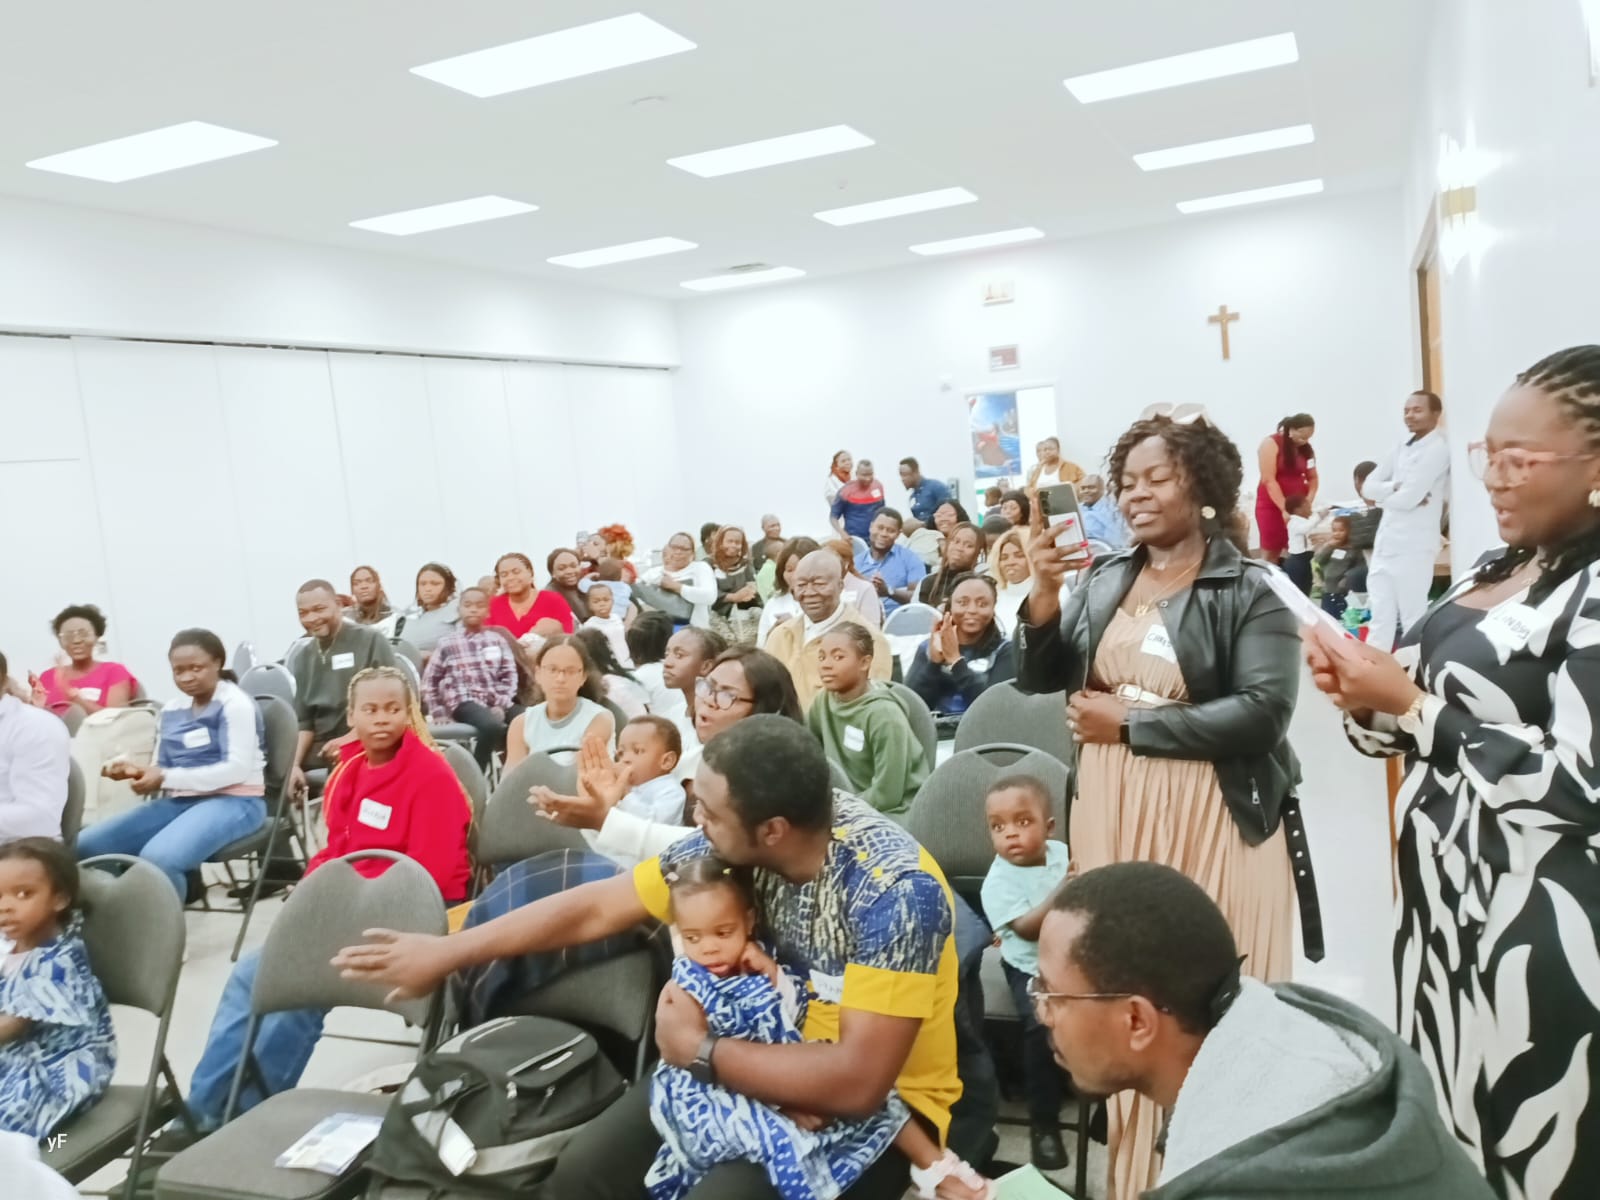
1591 20
1460 230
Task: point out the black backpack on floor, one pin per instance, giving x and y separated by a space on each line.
487 1112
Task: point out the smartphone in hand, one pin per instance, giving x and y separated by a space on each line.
1059 507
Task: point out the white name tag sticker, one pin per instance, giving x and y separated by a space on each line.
374 814
854 739
1509 626
1158 645
342 662
196 738
90 693
1340 553
828 988
1310 463
491 653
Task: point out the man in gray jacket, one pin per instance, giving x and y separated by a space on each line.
1270 1091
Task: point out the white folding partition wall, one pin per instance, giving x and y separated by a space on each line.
180 485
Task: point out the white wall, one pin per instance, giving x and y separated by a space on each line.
1511 83
178 485
775 381
83 271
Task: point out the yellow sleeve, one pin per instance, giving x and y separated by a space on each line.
888 993
651 887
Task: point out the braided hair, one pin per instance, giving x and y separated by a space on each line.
415 718
1571 378
1210 462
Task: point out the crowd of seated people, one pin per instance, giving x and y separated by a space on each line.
728 713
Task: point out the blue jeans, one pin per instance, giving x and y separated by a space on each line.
283 1046
1041 1078
175 835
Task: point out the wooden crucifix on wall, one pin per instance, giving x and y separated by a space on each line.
1223 317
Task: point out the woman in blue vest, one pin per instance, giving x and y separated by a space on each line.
206 784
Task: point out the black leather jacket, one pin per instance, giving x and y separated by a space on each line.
1239 650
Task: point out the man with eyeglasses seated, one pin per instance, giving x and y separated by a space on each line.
1411 487
1270 1091
818 589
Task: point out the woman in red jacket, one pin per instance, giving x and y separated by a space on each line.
392 790
520 606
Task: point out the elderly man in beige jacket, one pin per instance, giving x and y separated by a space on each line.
818 587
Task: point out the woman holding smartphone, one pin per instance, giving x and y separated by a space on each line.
1181 666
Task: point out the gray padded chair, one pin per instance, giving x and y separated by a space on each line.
947 816
911 619
617 995
244 657
282 731
1005 715
922 723
133 928
331 909
404 649
269 679
72 812
512 829
476 785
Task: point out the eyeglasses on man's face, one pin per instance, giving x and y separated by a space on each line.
1044 1002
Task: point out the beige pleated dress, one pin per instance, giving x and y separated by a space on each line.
1168 810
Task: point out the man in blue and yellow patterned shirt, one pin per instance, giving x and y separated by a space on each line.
852 904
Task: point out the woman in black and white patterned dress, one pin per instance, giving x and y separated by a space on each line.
1492 697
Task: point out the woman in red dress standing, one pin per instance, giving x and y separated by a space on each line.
1288 468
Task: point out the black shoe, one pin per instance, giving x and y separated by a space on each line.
1049 1154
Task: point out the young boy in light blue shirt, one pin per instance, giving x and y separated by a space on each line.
1028 869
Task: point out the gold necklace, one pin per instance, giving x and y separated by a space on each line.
1143 607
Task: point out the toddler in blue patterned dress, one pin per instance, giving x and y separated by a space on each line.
57 1047
746 995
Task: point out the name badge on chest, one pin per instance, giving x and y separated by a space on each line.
194 739
1158 644
374 814
342 662
854 738
1340 553
1509 626
827 988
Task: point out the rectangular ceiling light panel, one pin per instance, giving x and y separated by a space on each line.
606 255
551 57
793 147
718 283
900 206
1284 191
1237 58
980 241
445 216
1230 147
151 153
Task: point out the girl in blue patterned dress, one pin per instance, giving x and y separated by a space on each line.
746 995
57 1047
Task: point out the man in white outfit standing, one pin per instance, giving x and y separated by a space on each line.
1411 487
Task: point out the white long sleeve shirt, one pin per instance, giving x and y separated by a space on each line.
35 750
699 588
1411 486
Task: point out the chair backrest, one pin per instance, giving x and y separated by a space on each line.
404 649
858 545
282 732
244 657
133 927
72 812
512 829
331 909
617 995
1005 714
413 672
269 679
910 619
921 718
947 817
473 781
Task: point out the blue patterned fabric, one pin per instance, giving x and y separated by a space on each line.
702 1125
65 1059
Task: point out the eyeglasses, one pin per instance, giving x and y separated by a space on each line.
561 672
1513 464
1178 414
1043 1001
716 697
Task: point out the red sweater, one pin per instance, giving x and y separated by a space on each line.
545 604
413 804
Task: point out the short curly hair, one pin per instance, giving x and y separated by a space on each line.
1207 457
91 614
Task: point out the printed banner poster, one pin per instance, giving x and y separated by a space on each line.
996 448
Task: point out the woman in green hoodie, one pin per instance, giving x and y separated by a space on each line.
863 728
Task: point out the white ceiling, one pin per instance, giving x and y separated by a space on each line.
955 93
